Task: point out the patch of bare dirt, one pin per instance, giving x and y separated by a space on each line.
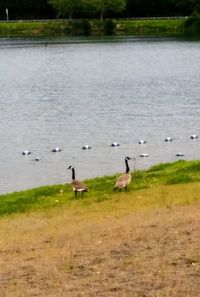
146 254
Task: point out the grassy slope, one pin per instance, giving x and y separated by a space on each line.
157 182
31 29
91 27
143 242
151 27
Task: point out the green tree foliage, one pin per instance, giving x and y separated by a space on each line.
69 8
192 24
109 27
103 7
66 8
30 9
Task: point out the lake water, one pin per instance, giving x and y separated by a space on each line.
76 92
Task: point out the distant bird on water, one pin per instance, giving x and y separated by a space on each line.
124 180
77 186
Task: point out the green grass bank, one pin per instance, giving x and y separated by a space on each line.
163 185
158 27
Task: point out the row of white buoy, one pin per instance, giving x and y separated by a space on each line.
55 150
194 136
27 152
142 141
114 144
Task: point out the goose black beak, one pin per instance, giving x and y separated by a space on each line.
128 158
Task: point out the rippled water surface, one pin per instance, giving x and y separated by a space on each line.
96 93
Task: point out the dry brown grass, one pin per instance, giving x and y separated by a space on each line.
126 252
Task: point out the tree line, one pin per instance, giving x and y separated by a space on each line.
48 9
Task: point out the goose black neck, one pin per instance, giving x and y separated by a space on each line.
127 167
73 174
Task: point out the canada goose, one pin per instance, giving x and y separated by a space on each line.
86 147
115 144
194 136
56 149
26 152
77 186
124 180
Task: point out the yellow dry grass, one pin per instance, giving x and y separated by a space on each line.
137 244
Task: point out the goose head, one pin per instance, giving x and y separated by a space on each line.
70 167
128 158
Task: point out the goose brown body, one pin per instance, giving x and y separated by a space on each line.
78 186
124 180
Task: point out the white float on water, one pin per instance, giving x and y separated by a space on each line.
26 152
179 154
115 144
142 141
56 149
194 136
86 147
168 139
144 155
